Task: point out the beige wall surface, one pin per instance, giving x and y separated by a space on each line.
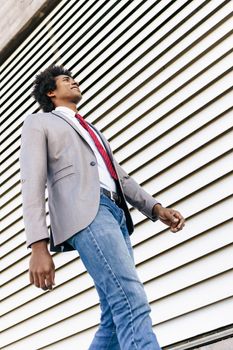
156 80
14 14
226 344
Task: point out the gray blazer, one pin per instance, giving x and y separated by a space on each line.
54 154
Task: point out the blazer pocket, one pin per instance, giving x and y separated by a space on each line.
59 174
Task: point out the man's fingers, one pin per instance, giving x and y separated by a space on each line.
50 281
181 220
36 280
31 279
53 276
181 224
171 216
42 282
42 270
176 220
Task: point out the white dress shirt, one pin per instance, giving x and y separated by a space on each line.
106 180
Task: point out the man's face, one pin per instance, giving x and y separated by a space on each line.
67 90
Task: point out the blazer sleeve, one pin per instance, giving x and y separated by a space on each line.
135 194
33 173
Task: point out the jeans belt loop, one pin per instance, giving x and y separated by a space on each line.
112 196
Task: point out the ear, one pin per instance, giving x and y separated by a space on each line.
50 94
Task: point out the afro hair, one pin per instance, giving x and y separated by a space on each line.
45 82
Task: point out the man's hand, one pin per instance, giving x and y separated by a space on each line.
41 266
169 217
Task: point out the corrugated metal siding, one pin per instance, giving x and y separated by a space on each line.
156 79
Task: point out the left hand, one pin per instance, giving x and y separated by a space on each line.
169 217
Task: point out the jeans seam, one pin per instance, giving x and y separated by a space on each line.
113 334
116 280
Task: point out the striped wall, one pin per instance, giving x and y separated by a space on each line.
156 79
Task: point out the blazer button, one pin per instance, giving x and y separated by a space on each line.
93 163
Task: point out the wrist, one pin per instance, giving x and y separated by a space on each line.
39 246
156 208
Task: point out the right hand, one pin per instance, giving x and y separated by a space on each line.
41 266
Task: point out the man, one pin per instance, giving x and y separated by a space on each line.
87 193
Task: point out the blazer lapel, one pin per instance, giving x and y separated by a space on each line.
74 126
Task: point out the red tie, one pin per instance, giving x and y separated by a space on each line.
98 144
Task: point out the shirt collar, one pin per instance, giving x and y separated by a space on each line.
66 110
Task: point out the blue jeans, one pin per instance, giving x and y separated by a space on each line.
105 250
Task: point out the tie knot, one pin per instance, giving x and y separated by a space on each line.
81 120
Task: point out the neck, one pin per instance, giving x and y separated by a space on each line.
70 105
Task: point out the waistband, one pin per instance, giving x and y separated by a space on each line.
112 195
